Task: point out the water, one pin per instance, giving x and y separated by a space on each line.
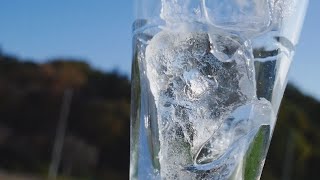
208 95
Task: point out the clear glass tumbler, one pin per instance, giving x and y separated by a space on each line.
208 77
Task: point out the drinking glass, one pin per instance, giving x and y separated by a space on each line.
208 77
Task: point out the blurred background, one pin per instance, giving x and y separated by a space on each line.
65 94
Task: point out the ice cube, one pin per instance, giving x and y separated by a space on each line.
195 90
183 71
173 11
244 15
234 135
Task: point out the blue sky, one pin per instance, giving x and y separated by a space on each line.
96 31
100 32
